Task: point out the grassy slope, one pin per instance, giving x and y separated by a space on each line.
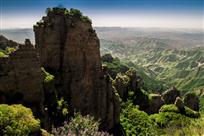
171 67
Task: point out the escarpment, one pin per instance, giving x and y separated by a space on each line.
68 48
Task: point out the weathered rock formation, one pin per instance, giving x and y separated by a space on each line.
69 49
170 95
156 103
179 103
21 78
4 42
121 84
192 101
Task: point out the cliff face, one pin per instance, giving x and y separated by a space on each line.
69 49
4 42
21 78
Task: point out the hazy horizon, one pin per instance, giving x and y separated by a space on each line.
113 13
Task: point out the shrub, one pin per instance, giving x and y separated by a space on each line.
48 76
10 50
136 122
7 51
172 108
75 12
78 125
167 119
17 120
175 124
2 54
86 19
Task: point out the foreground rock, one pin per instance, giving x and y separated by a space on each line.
192 101
69 49
155 104
179 104
21 79
170 95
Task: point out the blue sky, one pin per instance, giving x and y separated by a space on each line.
132 13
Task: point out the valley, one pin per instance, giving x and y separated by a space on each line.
165 59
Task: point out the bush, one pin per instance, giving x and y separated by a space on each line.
48 76
7 51
136 122
17 120
175 124
10 50
78 125
2 54
172 108
167 119
86 19
75 12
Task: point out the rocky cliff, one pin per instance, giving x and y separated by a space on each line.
69 49
21 78
4 42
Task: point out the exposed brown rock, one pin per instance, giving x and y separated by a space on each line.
191 100
69 49
121 84
4 42
155 104
179 103
170 95
21 79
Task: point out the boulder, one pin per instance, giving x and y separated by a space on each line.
191 100
170 95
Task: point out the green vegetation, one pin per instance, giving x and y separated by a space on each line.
48 76
201 104
2 53
159 65
172 108
62 107
75 12
72 12
176 124
115 66
10 50
16 120
7 51
136 122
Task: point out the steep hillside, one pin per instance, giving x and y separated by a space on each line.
161 59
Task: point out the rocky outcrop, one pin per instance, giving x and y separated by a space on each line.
107 58
170 95
179 104
4 42
69 49
21 79
191 100
121 84
156 103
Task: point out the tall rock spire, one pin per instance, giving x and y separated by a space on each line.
69 49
